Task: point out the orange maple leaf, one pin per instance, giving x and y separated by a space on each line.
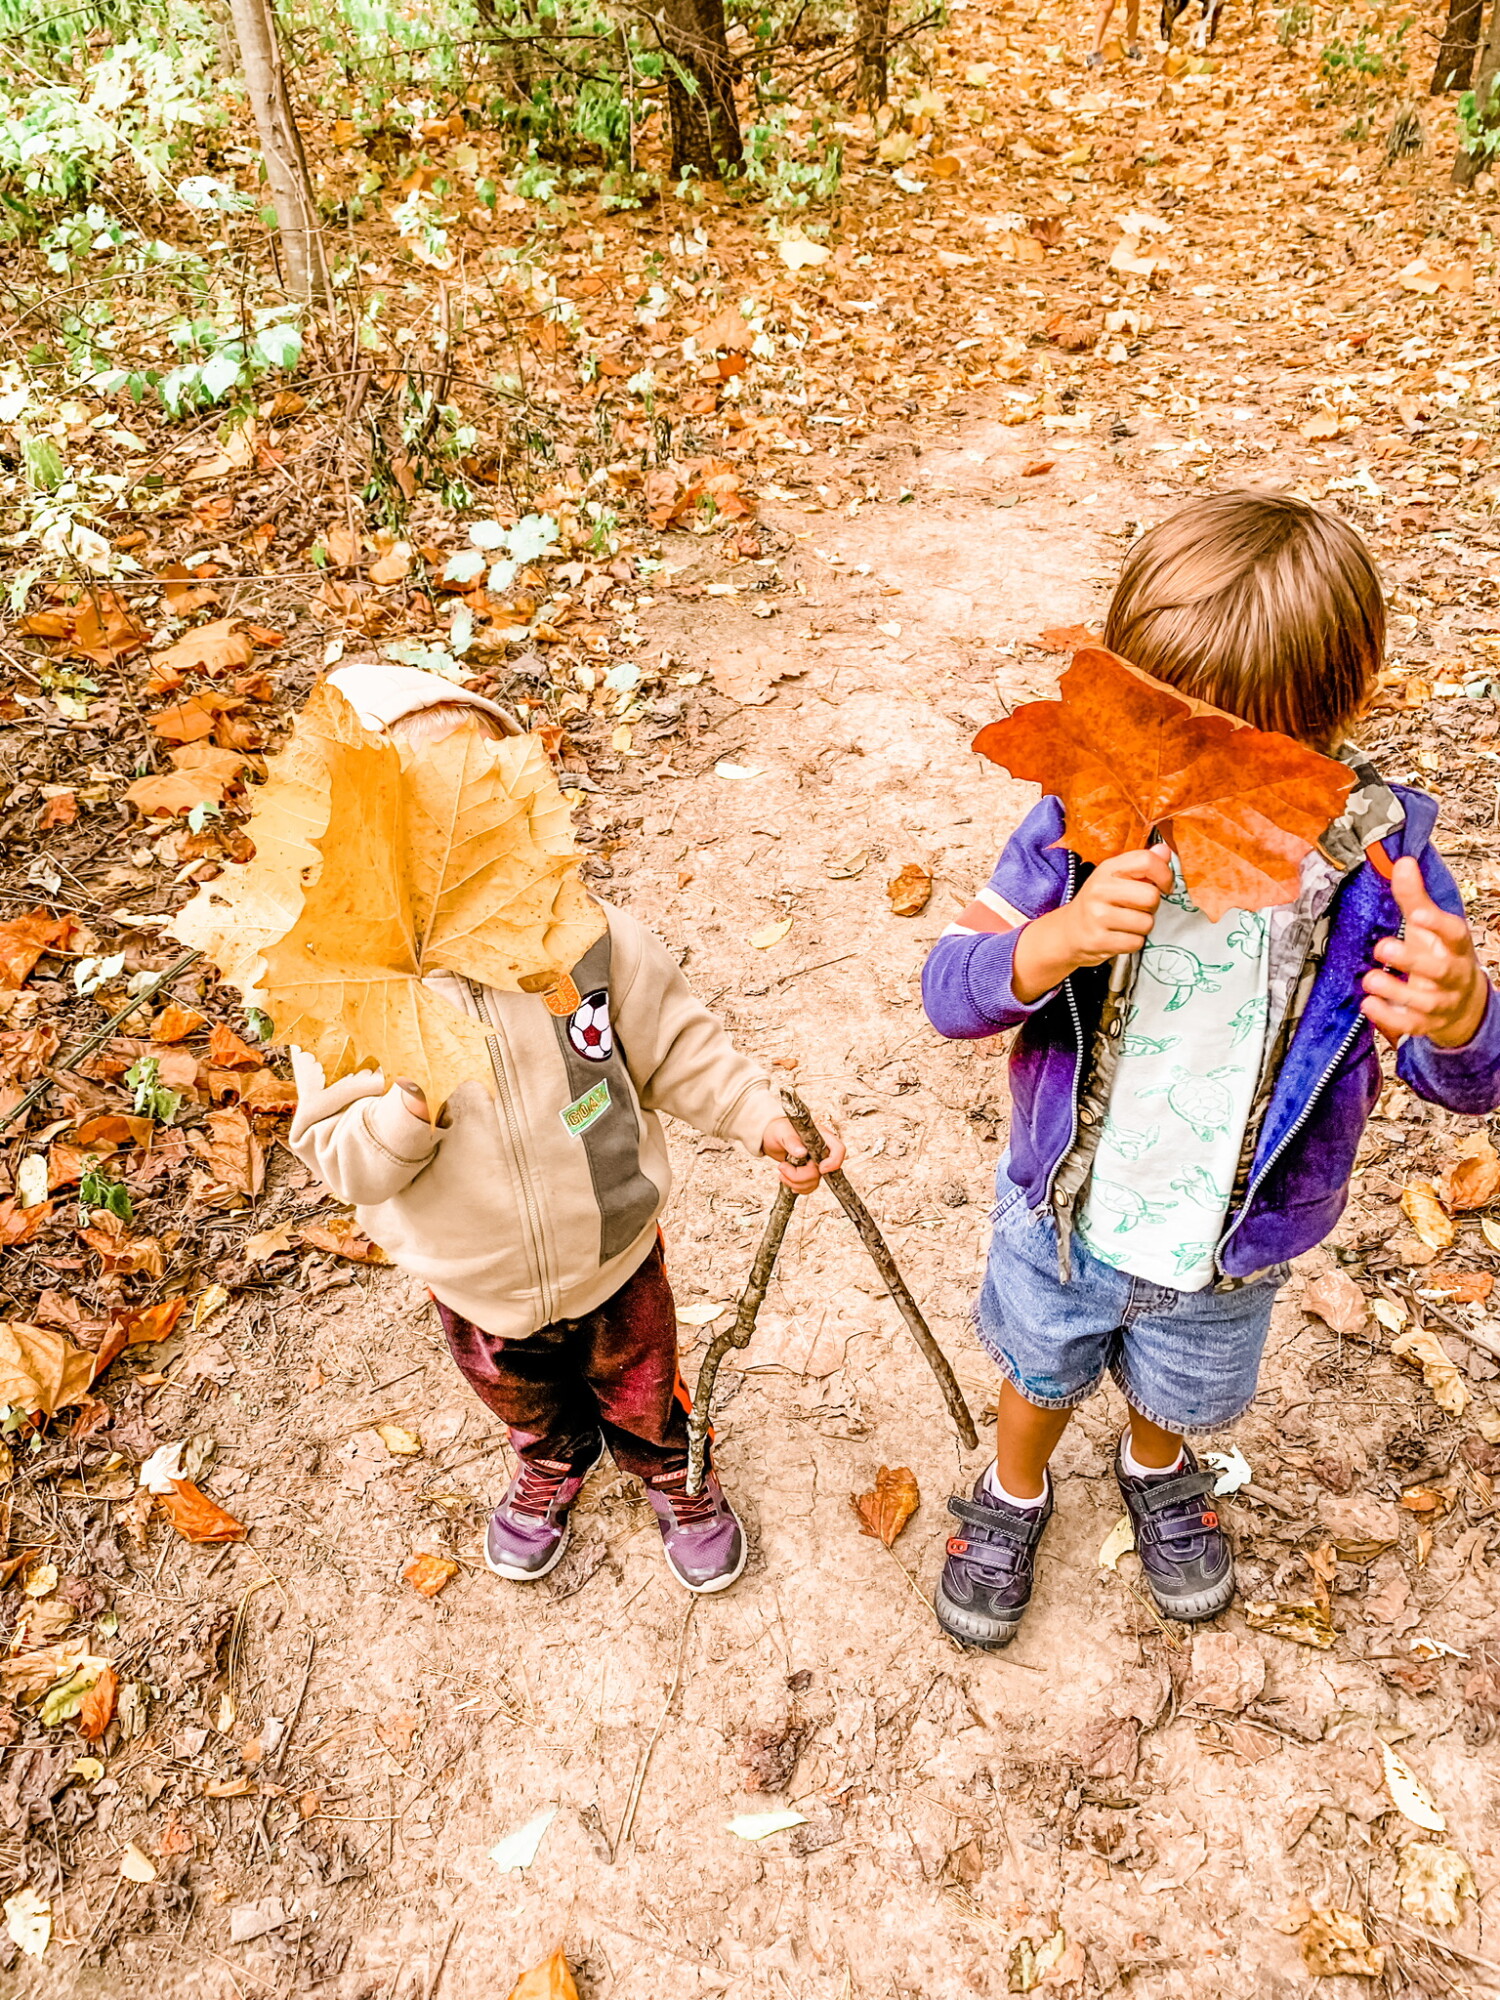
1130 757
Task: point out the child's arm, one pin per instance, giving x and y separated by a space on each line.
1435 1000
1016 943
682 1062
364 1142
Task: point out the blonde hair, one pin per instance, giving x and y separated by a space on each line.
1260 603
431 725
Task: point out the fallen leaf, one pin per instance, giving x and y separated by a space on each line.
1334 1945
174 792
1303 1624
1490 1229
197 1518
1337 1301
60 810
40 1370
1469 1288
1232 1467
268 1243
150 1323
1118 1542
885 1510
119 1252
212 649
1427 1216
1433 1879
136 1866
231 1152
98 1709
28 1921
519 1849
760 1826
398 1441
23 941
700 1315
227 1051
910 891
428 1574
19 1224
1473 1180
229 1788
797 253
1408 1795
1130 757
1324 425
849 866
104 1133
175 1024
1424 1350
1067 638
1031 1965
393 567
342 1236
551 1981
1390 1315
460 860
771 934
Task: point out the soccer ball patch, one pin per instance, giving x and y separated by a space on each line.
589 1030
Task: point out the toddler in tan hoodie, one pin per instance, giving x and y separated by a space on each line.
531 1211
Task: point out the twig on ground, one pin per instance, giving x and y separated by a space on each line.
436 1974
628 1820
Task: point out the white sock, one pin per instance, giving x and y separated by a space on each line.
1135 1470
992 1485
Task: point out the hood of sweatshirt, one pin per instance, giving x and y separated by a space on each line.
382 693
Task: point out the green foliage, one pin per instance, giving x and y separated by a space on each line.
152 1097
97 1190
1479 126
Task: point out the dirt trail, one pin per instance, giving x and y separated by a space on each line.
963 1814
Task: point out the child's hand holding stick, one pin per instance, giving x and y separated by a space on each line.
738 1335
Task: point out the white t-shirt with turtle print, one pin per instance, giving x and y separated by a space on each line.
1180 1096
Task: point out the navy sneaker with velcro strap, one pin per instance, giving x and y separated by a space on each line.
986 1581
1184 1552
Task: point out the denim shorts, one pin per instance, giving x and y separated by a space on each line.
1189 1361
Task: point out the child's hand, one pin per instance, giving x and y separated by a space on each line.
1444 992
801 1174
413 1098
1112 912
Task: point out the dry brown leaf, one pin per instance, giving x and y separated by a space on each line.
20 1225
268 1243
428 1574
175 792
119 1251
1420 1346
227 1051
1323 425
197 1518
1337 1301
229 1148
60 810
1427 1216
393 567
212 649
1129 757
40 1369
150 1323
1067 638
32 1672
1303 1624
885 1510
23 941
550 1981
1465 1288
103 1133
343 1238
98 1707
1473 1180
910 891
1433 1879
1334 1945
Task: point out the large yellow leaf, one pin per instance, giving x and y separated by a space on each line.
455 857
235 917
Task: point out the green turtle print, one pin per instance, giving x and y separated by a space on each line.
1185 1073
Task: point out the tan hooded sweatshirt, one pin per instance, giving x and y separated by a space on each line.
534 1202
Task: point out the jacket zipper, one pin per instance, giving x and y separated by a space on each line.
1298 1125
523 1172
1078 1048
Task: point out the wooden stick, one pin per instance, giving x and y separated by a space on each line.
100 1036
736 1334
885 1264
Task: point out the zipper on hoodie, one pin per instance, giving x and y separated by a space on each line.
1064 1221
530 1208
1299 1124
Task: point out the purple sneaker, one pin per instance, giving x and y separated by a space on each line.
701 1536
986 1582
528 1531
1184 1552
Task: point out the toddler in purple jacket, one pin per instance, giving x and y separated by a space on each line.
1175 1139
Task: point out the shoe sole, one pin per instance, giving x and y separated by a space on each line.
716 1583
1202 1604
951 1617
514 1575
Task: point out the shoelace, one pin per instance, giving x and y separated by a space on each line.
537 1487
691 1510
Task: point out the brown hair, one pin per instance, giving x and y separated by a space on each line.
441 718
1260 603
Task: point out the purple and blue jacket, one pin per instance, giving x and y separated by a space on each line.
1329 1078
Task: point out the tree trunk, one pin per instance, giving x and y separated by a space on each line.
701 113
1455 60
281 147
872 30
1478 151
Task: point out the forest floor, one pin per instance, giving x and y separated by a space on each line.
1112 1805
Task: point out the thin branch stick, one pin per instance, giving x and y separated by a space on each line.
100 1036
736 1334
885 1264
661 1722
